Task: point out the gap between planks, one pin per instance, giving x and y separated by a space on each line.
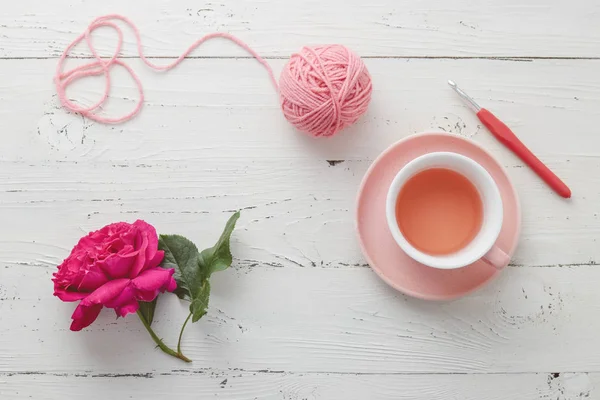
241 263
189 371
493 58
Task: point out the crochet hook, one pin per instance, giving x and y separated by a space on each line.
510 140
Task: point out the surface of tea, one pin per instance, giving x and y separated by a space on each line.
439 211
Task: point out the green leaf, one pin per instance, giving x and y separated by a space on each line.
218 257
199 304
193 269
147 310
183 255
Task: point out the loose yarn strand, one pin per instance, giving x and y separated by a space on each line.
102 67
322 89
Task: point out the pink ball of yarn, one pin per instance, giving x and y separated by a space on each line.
324 89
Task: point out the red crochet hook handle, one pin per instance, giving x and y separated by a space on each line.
510 140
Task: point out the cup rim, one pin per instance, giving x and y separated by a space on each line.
442 262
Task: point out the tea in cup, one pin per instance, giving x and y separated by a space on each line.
445 211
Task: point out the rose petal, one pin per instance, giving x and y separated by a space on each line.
156 260
83 316
87 311
152 240
65 295
126 296
152 281
118 265
141 243
125 303
106 292
127 308
91 281
128 235
88 241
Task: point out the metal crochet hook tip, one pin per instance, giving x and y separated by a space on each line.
470 102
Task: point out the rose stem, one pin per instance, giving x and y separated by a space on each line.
160 343
181 333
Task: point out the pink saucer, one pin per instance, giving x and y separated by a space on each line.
383 253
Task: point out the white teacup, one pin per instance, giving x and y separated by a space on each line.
482 246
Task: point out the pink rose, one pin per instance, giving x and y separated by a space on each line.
114 267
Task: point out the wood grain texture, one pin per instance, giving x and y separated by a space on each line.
287 208
300 316
209 108
222 144
454 28
338 320
240 385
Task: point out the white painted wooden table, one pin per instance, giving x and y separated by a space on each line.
300 316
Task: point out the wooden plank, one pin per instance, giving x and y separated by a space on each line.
204 144
288 209
452 28
228 108
239 385
338 320
300 316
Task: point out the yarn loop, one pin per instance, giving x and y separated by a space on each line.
322 89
